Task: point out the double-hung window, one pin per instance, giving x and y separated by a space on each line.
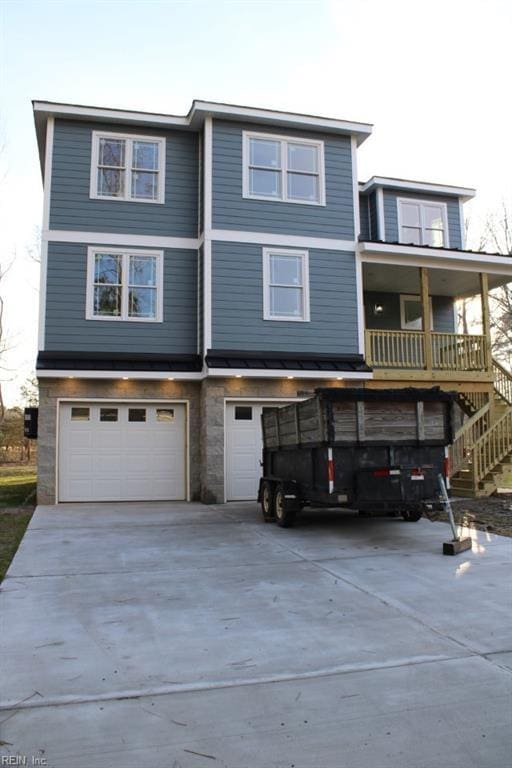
423 223
277 168
285 285
124 285
126 167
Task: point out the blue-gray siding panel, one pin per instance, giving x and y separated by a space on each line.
442 310
374 219
237 286
364 216
232 211
72 208
391 215
67 328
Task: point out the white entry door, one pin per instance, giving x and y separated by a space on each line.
244 449
122 451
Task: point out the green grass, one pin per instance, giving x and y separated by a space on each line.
12 528
17 486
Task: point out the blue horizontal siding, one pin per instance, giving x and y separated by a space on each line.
237 303
66 326
391 214
364 217
72 208
232 211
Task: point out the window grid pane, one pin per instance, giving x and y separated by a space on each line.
128 169
284 170
125 286
422 224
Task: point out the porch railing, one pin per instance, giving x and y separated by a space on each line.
408 349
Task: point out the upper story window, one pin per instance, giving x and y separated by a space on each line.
127 167
423 223
124 285
283 168
285 285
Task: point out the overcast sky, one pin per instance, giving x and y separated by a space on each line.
434 78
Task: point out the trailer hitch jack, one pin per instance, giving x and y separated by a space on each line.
457 544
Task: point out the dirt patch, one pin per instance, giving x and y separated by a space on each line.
492 514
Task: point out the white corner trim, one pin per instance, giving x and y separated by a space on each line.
125 253
129 138
264 373
114 238
360 305
283 168
207 245
64 373
271 239
381 222
355 188
43 265
422 202
304 256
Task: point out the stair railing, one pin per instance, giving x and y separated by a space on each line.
502 381
466 437
491 447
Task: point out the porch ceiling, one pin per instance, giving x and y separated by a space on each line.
443 282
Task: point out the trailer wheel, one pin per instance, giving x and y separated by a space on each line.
284 517
411 515
267 502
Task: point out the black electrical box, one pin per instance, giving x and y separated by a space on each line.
30 423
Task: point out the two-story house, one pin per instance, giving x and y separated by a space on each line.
197 269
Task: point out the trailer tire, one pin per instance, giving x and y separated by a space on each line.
284 517
268 502
412 515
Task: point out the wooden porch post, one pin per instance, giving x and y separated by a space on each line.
486 319
426 318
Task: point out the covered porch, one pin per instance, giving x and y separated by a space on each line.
414 327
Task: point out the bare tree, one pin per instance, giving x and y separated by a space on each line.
497 236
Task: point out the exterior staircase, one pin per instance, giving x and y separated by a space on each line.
481 453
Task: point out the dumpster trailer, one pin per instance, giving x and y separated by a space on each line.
376 451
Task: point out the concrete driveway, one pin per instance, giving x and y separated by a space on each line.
179 635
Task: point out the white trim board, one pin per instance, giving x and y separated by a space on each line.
192 243
43 267
207 233
123 400
417 186
114 238
292 241
426 257
381 219
229 373
355 188
64 373
264 373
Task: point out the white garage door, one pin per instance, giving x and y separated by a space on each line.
244 449
121 452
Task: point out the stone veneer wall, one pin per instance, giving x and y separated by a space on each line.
52 389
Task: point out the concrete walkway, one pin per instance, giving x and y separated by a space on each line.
176 636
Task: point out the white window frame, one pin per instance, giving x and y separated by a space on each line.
413 297
125 253
304 255
129 138
423 202
246 193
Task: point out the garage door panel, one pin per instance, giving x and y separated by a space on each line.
121 460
